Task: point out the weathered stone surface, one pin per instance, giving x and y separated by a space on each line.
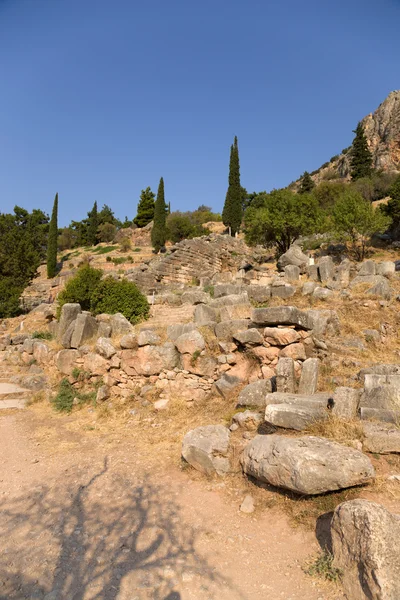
307 465
285 377
151 360
326 269
386 268
382 289
174 331
294 256
345 402
105 348
379 414
205 314
292 273
281 336
343 273
66 361
128 341
319 400
247 505
259 293
195 297
41 352
28 345
248 419
191 342
67 335
230 300
227 289
95 364
292 416
249 337
309 376
148 337
84 330
226 329
69 312
323 322
381 391
368 267
203 366
206 449
120 325
365 542
282 315
103 393
237 311
294 351
255 393
104 330
227 385
283 291
321 293
308 288
312 272
381 438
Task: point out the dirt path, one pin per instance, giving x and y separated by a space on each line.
84 519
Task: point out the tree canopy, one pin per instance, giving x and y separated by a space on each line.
232 211
361 157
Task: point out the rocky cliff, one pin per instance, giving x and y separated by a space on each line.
382 129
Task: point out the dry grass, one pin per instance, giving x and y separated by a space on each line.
344 431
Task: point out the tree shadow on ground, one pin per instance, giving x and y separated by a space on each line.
108 539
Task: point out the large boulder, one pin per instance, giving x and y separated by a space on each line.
148 337
85 329
120 325
66 361
230 300
95 364
151 360
381 438
191 342
255 393
259 293
307 465
69 312
195 297
105 348
285 375
174 331
281 336
206 448
203 315
326 269
226 329
226 289
294 256
227 385
249 337
365 542
282 315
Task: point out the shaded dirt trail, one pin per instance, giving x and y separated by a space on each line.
88 519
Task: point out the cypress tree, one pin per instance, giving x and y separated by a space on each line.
52 242
92 226
361 157
232 211
145 209
306 183
159 231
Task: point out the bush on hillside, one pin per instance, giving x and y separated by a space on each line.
80 287
181 227
112 296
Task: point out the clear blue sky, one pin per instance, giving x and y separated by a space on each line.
99 98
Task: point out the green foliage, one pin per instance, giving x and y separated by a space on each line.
23 238
104 249
145 209
159 231
180 226
93 223
361 157
355 221
392 208
42 335
106 232
394 191
327 194
281 217
111 296
232 212
209 289
52 242
125 244
80 288
375 187
323 567
306 183
64 400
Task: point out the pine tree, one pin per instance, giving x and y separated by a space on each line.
92 226
232 212
361 157
145 209
306 183
52 242
159 232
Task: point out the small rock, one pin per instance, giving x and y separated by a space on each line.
247 505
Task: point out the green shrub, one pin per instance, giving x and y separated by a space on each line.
111 296
42 335
64 400
104 249
136 249
125 244
322 566
210 290
80 287
109 259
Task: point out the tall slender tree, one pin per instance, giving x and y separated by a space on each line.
232 211
52 241
361 157
92 226
145 209
159 231
306 183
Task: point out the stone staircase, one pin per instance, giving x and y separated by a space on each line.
11 394
163 316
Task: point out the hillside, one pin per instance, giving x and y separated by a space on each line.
382 129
